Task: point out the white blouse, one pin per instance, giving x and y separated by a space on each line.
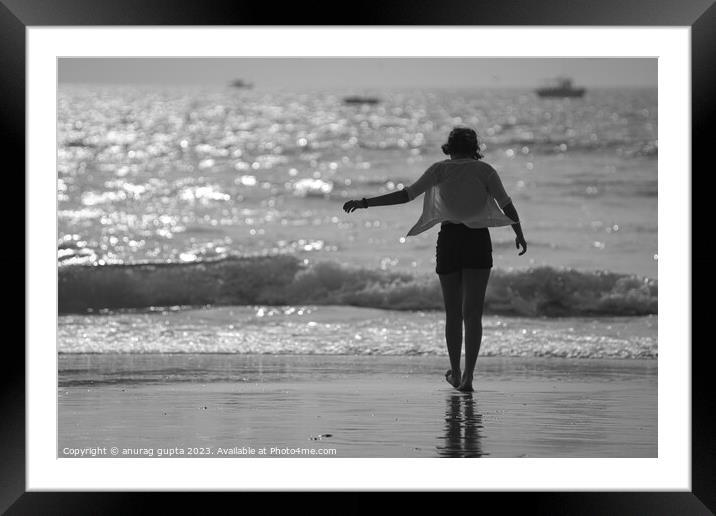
465 191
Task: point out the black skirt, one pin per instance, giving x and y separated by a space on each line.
462 247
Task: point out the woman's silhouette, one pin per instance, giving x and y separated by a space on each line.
466 195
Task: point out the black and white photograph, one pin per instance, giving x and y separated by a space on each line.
382 257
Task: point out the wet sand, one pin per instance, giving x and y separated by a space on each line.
360 406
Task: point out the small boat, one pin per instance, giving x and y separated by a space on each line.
240 83
360 100
560 87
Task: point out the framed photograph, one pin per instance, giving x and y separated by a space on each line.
318 257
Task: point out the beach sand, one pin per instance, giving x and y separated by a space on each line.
354 406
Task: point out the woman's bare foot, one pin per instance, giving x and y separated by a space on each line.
465 385
453 380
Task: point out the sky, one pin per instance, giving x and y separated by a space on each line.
366 73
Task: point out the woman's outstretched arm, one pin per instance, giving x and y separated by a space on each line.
397 197
429 178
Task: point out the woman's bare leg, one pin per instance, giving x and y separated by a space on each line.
452 297
474 285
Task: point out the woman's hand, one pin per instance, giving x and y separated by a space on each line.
352 206
520 242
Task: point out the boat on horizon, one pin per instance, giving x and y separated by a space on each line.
356 99
240 83
560 87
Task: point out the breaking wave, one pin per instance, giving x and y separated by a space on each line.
286 280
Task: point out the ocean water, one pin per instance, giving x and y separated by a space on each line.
185 196
345 330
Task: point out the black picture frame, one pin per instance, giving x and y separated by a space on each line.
17 15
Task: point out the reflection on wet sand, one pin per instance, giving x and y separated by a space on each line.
361 406
463 426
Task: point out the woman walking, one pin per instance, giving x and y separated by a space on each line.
466 196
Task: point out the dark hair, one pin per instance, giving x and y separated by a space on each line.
463 140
